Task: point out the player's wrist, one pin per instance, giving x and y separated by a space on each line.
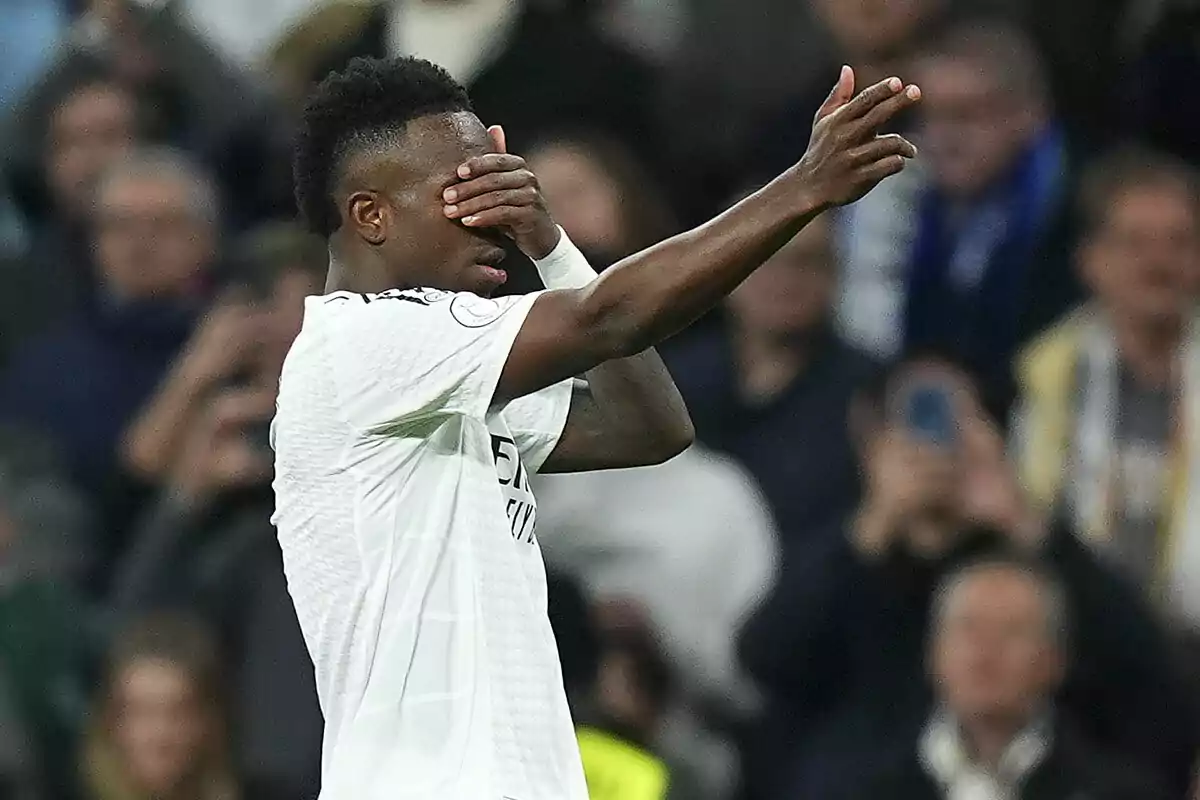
564 266
542 241
807 197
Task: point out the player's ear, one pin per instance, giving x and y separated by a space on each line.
366 215
497 135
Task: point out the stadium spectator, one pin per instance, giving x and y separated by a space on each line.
206 542
601 195
998 654
772 387
160 727
44 627
660 539
839 645
663 536
535 67
84 120
1105 426
981 259
155 244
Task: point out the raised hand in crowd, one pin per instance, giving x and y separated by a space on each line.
228 449
992 496
906 479
223 346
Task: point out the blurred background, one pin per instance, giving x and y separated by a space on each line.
940 536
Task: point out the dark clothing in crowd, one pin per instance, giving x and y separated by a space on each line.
839 646
796 445
1071 769
225 562
985 279
554 73
82 381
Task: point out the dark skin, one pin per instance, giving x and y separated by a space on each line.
430 213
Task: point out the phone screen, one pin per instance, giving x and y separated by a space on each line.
929 414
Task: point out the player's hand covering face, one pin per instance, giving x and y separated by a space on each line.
846 156
498 191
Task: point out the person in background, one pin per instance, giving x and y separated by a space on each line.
998 654
533 66
662 538
838 646
877 38
989 263
44 626
619 727
193 100
206 542
241 342
772 387
160 728
85 121
601 195
156 240
1107 422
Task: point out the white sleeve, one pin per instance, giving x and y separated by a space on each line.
536 422
401 356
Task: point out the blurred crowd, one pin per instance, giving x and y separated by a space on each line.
940 536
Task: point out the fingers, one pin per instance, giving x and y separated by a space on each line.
492 162
878 171
841 93
870 97
882 147
489 182
498 217
884 111
237 408
496 133
525 196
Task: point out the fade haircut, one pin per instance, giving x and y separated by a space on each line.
366 105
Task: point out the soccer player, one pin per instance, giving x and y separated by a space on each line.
413 408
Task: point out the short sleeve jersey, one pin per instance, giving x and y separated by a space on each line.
407 528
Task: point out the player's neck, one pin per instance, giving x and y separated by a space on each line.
349 272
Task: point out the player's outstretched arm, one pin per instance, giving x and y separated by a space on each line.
653 294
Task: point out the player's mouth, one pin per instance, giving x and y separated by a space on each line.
488 262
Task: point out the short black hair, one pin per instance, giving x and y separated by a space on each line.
372 98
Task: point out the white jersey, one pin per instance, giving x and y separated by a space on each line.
407 528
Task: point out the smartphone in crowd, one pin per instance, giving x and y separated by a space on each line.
926 409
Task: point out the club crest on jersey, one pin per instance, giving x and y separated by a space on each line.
519 504
473 311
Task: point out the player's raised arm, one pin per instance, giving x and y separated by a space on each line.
653 294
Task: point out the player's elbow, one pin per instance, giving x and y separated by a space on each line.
665 440
681 436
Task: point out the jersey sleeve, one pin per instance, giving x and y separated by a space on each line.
404 356
536 422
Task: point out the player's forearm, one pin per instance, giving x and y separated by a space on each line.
655 293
